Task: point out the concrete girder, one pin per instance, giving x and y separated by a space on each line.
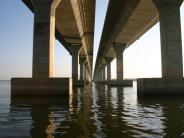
86 34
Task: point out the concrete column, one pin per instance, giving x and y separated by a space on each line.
170 30
43 43
119 48
85 68
109 71
98 76
90 57
103 74
75 60
108 60
81 60
87 73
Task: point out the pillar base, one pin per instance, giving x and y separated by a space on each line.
87 82
124 83
160 87
41 87
79 83
101 82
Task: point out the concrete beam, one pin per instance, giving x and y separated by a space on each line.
86 35
118 13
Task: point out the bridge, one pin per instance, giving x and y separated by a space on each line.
72 23
126 21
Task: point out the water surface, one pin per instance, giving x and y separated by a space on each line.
95 111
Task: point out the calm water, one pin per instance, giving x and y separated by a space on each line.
92 112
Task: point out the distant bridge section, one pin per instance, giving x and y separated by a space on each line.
126 21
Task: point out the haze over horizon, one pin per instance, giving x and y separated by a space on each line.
141 59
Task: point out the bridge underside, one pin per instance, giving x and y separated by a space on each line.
125 22
72 23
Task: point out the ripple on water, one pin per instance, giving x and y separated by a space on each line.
94 111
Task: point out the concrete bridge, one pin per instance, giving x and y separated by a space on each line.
72 23
126 21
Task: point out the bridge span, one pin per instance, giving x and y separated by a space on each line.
126 21
72 23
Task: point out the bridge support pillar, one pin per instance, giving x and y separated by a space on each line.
109 71
86 77
172 82
85 72
81 61
42 83
103 74
81 80
75 60
108 61
98 76
43 43
119 49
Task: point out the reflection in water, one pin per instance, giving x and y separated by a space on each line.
46 114
94 111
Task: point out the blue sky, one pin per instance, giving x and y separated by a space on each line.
142 59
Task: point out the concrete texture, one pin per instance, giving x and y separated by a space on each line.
160 87
81 61
123 83
170 31
85 72
41 87
103 74
119 48
43 43
172 82
98 76
126 21
71 27
79 83
108 71
75 61
108 61
101 82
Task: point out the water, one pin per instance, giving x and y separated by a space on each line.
92 112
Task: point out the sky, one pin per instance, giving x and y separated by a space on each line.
142 59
